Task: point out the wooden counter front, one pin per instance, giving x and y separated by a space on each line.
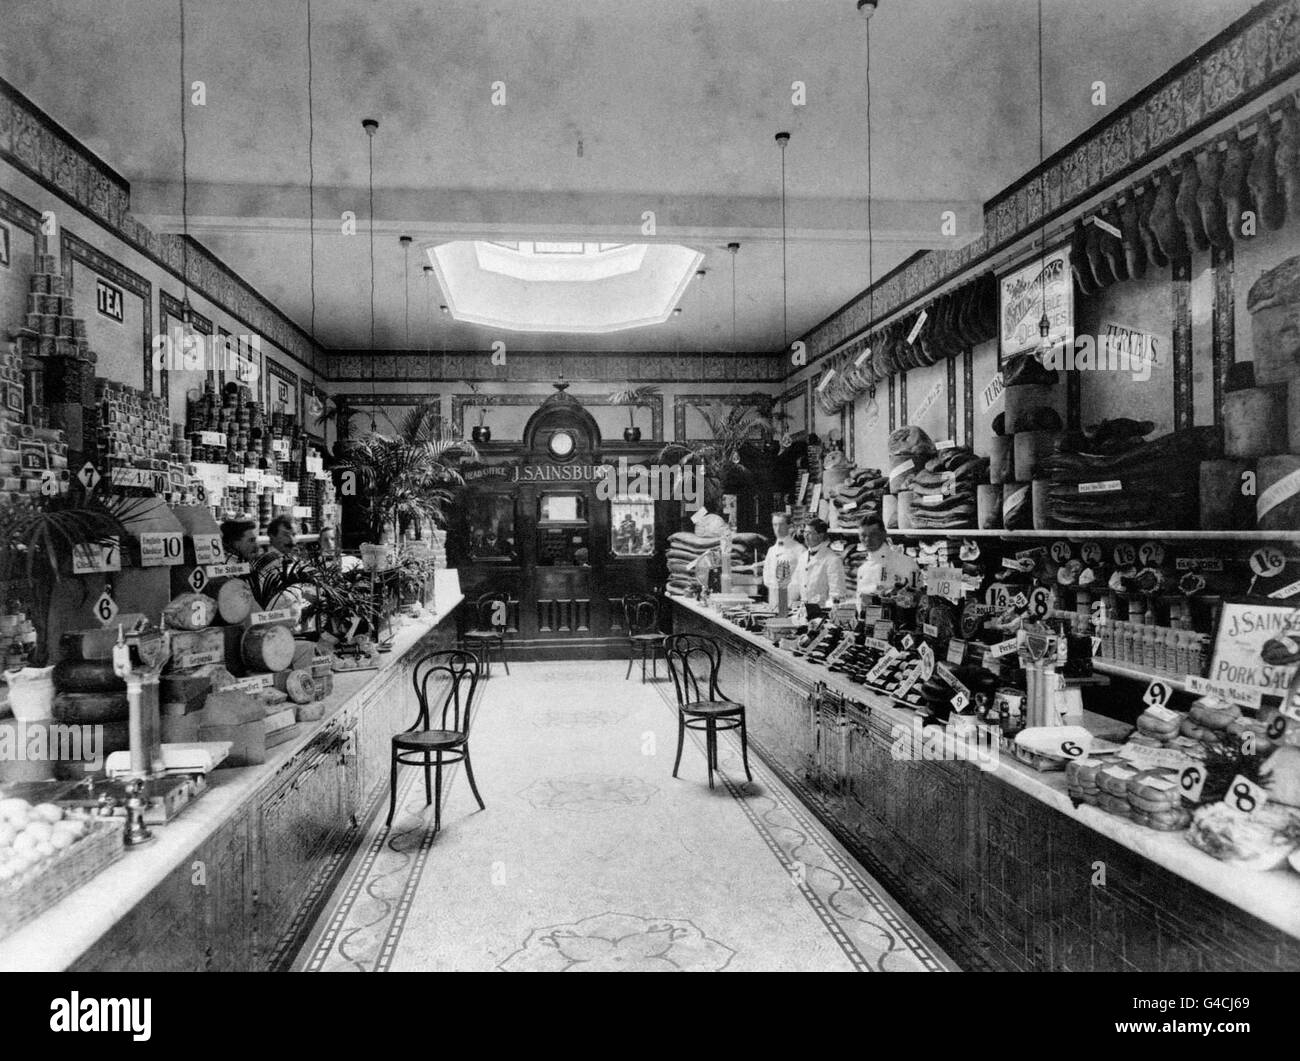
999 863
232 882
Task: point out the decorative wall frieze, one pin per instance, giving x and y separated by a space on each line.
397 366
1254 54
459 402
35 144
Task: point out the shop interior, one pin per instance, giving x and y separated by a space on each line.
901 437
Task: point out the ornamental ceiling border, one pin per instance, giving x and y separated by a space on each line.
38 146
1255 53
474 401
395 366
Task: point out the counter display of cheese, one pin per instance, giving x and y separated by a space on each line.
1013 871
145 911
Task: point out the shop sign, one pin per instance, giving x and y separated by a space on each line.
1238 644
1042 285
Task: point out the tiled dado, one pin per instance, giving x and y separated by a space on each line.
395 366
999 878
1255 53
34 143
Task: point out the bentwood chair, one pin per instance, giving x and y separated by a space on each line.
491 617
694 661
641 620
440 734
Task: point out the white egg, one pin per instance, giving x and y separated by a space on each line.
48 812
25 842
45 849
7 834
42 831
62 839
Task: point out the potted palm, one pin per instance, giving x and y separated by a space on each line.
409 477
732 428
39 536
480 432
634 398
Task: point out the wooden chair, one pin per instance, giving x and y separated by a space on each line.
641 620
694 661
488 632
448 743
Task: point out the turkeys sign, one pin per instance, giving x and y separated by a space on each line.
1043 285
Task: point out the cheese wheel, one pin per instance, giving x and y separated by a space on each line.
191 611
300 687
235 601
87 676
86 708
267 648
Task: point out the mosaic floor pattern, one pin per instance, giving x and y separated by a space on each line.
592 857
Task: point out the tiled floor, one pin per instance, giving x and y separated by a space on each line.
591 856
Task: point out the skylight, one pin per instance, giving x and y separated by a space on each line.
562 285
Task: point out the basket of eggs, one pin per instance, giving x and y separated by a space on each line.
44 855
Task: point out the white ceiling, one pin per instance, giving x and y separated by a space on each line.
676 103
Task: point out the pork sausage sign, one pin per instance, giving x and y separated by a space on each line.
1244 627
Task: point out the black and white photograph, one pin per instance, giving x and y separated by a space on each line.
762 486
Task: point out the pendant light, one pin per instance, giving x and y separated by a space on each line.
314 406
1044 322
783 139
371 126
733 249
700 274
428 313
187 327
868 8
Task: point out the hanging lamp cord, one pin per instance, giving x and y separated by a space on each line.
311 198
185 181
370 142
785 317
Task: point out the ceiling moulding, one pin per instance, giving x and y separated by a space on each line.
37 146
223 208
392 366
1255 54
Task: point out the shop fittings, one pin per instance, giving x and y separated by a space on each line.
933 744
33 742
656 482
178 350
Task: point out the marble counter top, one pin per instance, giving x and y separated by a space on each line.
59 936
1273 896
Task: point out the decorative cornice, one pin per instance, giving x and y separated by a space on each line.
474 401
396 366
35 144
1255 53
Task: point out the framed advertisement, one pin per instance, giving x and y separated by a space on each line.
631 525
1043 284
1245 624
4 246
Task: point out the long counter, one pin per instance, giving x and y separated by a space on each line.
223 886
1011 872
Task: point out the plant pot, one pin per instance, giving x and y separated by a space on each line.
481 434
631 434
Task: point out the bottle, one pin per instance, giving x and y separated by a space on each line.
1158 648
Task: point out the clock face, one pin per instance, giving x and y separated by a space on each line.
561 444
